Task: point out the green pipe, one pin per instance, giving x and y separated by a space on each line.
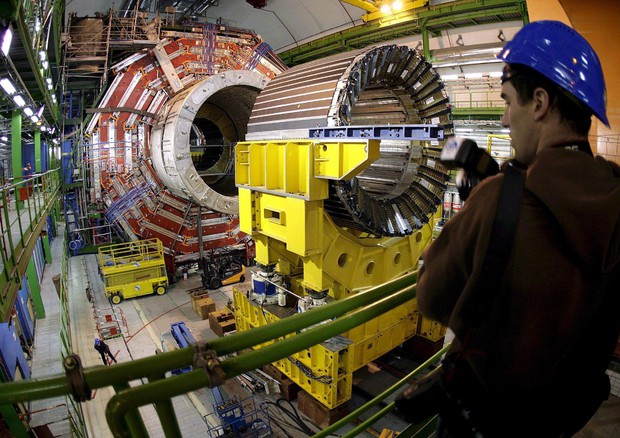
379 398
35 289
14 423
37 151
25 390
426 47
420 430
133 420
240 341
165 412
131 399
100 376
167 417
135 397
372 420
283 348
96 377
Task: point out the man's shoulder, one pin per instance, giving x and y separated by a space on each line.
488 190
612 166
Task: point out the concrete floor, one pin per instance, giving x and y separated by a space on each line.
145 319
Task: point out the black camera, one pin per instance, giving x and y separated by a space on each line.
475 163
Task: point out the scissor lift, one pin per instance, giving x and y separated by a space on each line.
133 269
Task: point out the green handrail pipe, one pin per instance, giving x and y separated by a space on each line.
371 420
100 376
290 324
379 398
134 422
17 249
124 402
122 411
253 359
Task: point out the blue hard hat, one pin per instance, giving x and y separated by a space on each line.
97 342
560 54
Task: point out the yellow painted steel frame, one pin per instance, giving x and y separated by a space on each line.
323 371
490 138
374 8
282 185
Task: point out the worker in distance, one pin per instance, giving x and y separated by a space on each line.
104 351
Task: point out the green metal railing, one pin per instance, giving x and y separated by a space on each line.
209 360
25 207
378 399
75 415
430 19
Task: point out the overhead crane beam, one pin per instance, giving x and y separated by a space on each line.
412 22
362 4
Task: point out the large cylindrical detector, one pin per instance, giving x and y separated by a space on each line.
220 103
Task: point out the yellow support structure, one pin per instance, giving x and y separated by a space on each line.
385 8
324 371
282 186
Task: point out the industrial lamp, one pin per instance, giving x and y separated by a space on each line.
7 38
391 6
19 100
8 86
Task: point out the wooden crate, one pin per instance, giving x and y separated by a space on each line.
203 307
318 412
288 388
222 321
197 295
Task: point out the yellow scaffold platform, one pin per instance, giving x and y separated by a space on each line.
132 269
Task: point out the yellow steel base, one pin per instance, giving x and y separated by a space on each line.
325 371
282 187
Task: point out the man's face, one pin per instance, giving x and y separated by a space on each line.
520 119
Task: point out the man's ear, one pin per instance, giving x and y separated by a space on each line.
541 102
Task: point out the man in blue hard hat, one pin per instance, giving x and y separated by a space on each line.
535 364
104 350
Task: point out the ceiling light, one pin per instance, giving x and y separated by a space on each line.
450 77
19 100
43 55
43 128
397 5
40 110
34 118
28 111
6 41
4 138
8 86
45 64
386 9
54 98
